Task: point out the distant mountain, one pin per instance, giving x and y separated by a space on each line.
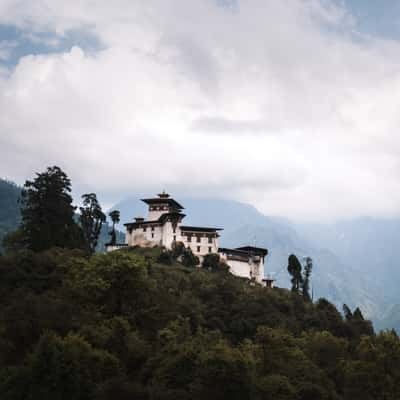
243 224
371 247
10 215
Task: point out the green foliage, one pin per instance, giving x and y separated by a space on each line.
177 250
212 262
115 218
58 368
294 269
306 279
124 326
47 212
165 257
178 253
91 219
189 259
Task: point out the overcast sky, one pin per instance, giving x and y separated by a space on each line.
290 105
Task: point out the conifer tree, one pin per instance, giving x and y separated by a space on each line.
92 219
47 212
357 315
347 312
294 269
306 279
115 218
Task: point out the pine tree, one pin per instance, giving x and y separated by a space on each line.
91 219
115 218
306 279
47 212
347 312
294 269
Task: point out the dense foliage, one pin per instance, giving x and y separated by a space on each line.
125 326
48 213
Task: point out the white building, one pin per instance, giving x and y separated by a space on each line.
164 226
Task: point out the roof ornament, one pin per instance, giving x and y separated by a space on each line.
163 195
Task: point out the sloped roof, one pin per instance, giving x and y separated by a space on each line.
253 250
163 200
244 251
199 229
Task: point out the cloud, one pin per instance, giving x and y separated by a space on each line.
276 103
229 126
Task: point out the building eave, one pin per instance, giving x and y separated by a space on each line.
253 250
199 229
160 200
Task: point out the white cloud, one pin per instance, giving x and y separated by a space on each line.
275 103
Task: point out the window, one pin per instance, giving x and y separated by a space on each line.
144 229
173 229
152 228
174 238
210 249
189 238
198 249
152 235
210 239
198 239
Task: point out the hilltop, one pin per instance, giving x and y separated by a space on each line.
123 325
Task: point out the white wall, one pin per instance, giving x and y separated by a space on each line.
168 235
146 238
245 269
204 244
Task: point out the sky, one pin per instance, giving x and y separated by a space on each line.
289 105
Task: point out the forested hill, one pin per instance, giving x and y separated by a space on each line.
124 325
9 207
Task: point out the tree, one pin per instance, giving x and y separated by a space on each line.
115 218
211 261
189 259
47 212
347 312
67 368
294 269
177 250
306 279
91 218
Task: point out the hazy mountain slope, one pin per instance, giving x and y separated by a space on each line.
371 247
9 207
243 224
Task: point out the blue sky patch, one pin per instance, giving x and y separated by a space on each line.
16 43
